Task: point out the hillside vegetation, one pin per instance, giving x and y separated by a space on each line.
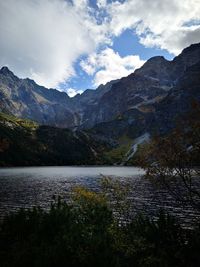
24 142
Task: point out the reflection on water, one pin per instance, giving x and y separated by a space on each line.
33 186
24 187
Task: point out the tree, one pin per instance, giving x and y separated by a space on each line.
173 161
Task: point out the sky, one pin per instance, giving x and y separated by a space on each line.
73 45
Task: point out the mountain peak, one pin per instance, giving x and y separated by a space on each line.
155 67
154 62
191 48
157 59
6 71
188 57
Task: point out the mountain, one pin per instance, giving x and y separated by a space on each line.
25 143
149 84
123 113
179 100
160 113
25 99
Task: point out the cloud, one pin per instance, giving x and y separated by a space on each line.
72 92
158 23
43 39
108 65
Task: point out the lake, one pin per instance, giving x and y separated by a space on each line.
23 187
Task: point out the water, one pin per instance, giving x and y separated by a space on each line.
35 186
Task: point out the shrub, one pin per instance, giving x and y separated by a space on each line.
84 232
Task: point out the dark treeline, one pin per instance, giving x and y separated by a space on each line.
86 232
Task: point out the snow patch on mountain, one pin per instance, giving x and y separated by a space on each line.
138 141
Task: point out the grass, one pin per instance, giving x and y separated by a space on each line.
117 154
28 124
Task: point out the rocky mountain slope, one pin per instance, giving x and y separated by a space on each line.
25 99
122 112
147 85
157 117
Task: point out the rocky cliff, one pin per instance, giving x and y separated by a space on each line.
146 102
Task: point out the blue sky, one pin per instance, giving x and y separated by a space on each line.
125 44
73 45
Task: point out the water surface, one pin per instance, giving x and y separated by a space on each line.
30 186
33 186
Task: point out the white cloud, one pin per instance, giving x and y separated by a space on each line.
158 23
72 92
108 65
42 39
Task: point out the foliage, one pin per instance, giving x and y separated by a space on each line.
116 155
85 232
139 154
173 161
24 143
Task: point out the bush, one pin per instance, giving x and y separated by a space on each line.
85 232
